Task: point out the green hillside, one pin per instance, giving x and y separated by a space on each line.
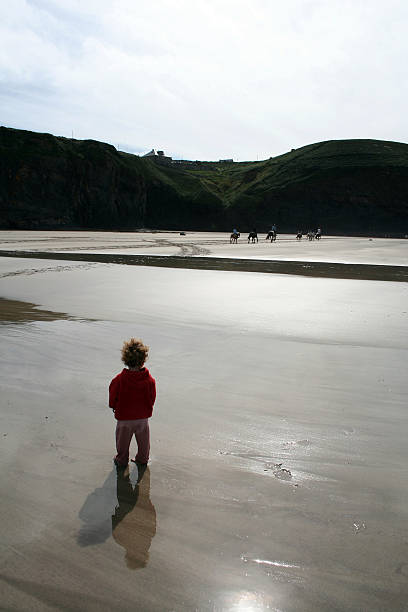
345 186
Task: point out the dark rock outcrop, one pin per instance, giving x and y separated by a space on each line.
49 182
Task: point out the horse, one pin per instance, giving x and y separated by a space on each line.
310 235
252 236
299 236
318 235
234 237
271 235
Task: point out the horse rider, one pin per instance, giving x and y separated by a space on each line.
253 235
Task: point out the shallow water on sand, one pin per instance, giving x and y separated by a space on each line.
256 374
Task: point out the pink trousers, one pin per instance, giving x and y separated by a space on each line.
124 433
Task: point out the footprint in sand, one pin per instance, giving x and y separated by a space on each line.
402 569
359 527
348 431
278 471
283 474
303 443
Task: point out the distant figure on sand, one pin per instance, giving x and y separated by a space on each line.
299 235
252 236
234 236
318 233
271 235
132 394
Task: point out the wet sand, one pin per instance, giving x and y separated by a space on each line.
13 311
330 257
266 266
335 249
278 478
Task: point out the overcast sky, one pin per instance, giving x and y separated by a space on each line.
206 79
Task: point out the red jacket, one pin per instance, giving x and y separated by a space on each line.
132 394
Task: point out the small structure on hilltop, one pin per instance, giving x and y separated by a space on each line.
161 158
158 156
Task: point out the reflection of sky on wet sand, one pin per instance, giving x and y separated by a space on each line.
121 507
254 371
246 601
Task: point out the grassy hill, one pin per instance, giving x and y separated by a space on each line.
344 186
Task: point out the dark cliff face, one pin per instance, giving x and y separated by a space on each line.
373 201
54 182
353 186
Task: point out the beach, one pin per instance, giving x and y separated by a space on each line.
364 250
279 471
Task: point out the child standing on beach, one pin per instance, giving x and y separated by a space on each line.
132 394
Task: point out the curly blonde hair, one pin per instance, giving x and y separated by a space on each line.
134 353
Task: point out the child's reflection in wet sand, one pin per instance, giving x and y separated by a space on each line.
134 521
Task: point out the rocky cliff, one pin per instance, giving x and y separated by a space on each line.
349 186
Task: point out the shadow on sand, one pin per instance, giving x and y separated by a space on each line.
127 513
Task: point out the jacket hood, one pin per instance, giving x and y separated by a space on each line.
135 375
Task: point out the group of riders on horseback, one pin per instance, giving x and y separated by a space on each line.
310 235
271 235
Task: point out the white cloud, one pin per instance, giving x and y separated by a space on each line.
241 78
